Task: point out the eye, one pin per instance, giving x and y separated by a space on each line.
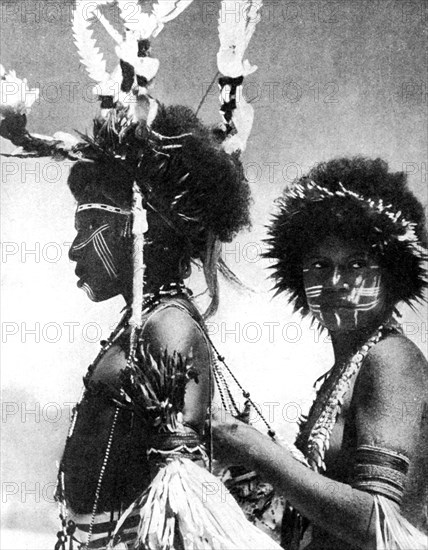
358 264
318 264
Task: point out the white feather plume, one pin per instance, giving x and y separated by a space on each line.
117 37
86 44
236 25
146 25
137 25
15 95
135 20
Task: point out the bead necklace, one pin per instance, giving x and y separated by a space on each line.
150 301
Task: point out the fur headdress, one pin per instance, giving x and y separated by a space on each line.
356 199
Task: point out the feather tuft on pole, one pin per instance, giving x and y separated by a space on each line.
236 26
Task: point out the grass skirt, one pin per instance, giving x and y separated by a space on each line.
187 508
393 531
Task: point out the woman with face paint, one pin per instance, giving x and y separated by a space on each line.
349 244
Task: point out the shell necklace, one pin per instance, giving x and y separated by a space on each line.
315 430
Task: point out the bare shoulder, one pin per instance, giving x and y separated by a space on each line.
391 393
173 329
397 360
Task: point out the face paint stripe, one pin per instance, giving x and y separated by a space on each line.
89 239
108 254
107 250
110 263
90 293
338 320
367 307
103 258
113 271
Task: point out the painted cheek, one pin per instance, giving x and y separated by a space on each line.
369 293
313 294
98 243
105 255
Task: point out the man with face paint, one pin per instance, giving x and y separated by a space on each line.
102 250
118 448
349 244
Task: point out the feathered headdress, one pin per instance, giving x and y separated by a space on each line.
174 144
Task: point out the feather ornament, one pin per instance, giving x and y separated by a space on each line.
243 118
236 26
86 44
117 37
134 19
146 25
15 95
16 101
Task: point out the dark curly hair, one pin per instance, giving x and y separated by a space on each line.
356 199
188 181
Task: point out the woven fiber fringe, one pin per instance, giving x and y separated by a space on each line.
393 531
187 508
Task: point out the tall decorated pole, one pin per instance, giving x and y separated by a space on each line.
129 84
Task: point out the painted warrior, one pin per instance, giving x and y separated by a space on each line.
349 244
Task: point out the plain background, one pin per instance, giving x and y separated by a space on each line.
334 79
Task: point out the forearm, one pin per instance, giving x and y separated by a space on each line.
336 507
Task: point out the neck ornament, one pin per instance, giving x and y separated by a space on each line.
316 430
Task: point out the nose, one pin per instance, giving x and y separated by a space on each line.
74 254
337 279
336 276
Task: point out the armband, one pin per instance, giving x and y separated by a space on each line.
165 446
381 471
